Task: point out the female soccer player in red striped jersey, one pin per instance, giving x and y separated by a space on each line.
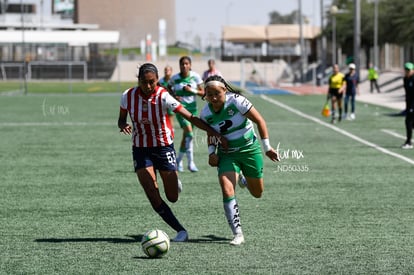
152 140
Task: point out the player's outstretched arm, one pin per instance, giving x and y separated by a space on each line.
204 126
257 118
213 158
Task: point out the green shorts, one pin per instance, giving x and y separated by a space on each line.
182 121
248 159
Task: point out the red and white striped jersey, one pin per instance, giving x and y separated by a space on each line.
149 117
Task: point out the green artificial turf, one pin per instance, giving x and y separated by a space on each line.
71 204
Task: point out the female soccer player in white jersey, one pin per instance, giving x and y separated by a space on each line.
231 114
152 136
186 85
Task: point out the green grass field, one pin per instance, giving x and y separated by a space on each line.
340 202
63 87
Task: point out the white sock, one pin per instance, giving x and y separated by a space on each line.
180 157
231 210
189 149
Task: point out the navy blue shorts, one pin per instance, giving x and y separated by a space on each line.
162 158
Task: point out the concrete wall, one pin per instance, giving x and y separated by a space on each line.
232 71
133 18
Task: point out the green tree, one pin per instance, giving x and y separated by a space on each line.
395 24
398 21
291 18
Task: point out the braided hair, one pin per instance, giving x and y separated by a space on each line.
228 87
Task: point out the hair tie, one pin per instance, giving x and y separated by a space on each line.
215 83
145 68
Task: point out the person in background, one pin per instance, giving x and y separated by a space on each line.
168 71
351 82
335 91
409 103
152 141
186 85
211 70
373 78
234 116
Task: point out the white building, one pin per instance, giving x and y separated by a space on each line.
38 33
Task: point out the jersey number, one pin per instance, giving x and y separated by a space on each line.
170 157
225 125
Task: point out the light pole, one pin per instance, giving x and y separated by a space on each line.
302 44
357 34
22 12
228 12
323 39
376 54
191 21
334 11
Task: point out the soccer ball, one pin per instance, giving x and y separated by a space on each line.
155 243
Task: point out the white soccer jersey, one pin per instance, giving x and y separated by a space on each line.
230 121
149 117
177 83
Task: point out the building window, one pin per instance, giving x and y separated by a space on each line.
17 8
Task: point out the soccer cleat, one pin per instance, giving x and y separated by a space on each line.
242 181
407 146
182 236
192 167
180 167
352 116
238 239
180 186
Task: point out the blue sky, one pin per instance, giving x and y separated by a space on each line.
206 18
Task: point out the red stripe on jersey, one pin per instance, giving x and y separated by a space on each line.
149 127
129 104
155 121
149 117
169 125
178 108
137 117
163 117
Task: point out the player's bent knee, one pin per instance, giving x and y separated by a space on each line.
172 198
257 193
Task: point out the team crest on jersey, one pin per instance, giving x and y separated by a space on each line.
230 112
145 121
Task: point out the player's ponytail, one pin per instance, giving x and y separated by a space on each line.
219 78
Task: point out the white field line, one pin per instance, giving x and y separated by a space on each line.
47 124
339 130
392 133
